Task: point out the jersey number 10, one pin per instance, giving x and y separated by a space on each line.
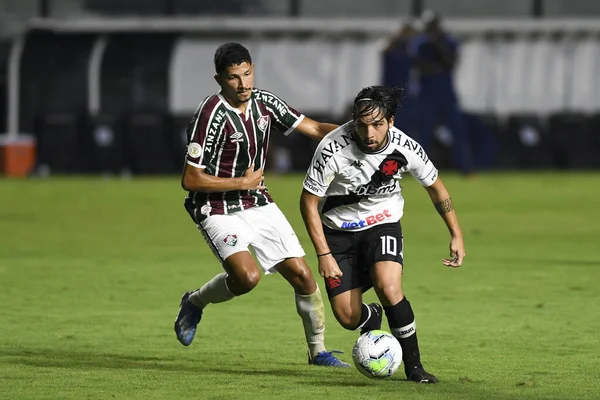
389 245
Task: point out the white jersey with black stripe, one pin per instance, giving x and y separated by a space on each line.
360 189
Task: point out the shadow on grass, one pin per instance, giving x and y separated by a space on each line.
59 358
302 374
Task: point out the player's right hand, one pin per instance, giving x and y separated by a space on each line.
329 268
253 180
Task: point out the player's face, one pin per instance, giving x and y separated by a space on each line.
237 82
372 130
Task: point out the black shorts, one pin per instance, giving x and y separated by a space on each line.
357 252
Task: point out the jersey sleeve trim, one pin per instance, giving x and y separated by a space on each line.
291 129
197 165
314 188
430 178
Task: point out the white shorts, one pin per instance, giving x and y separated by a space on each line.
264 229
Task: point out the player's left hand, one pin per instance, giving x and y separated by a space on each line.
457 252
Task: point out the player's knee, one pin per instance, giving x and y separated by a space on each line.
249 280
304 279
347 318
389 293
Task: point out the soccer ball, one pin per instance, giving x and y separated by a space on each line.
377 354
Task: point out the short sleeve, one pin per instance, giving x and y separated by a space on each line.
419 164
284 115
208 120
320 174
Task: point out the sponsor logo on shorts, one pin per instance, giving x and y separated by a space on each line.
332 283
230 240
370 220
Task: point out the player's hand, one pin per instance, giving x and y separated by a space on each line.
329 268
457 252
253 180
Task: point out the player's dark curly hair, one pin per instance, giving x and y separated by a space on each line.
377 98
229 54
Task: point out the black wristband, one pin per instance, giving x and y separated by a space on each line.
324 254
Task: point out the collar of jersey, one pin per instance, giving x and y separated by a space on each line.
238 112
389 139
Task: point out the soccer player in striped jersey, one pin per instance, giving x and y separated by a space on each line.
228 140
352 204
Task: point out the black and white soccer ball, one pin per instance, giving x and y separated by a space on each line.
377 354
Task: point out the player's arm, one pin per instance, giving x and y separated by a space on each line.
328 267
194 179
443 204
314 129
312 221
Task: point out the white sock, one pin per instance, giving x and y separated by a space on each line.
213 291
311 310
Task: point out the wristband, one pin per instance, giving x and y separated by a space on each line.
324 254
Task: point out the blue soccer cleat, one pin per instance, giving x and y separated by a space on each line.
327 359
187 320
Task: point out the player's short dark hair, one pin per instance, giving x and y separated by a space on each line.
229 54
377 98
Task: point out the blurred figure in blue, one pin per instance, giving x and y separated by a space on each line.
435 54
398 71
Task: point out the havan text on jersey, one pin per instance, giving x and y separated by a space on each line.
359 188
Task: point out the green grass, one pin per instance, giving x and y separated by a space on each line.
91 272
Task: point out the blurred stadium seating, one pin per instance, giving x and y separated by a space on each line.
113 82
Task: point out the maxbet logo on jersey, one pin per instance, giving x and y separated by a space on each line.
370 220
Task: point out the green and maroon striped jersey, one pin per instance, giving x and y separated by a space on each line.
225 142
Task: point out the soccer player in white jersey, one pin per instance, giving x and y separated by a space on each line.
227 200
352 204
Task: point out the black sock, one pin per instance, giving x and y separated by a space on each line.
402 325
365 316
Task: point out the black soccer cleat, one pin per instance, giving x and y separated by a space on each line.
419 375
374 323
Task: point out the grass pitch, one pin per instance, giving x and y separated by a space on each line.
92 271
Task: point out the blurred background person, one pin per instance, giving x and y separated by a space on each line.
398 71
435 54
